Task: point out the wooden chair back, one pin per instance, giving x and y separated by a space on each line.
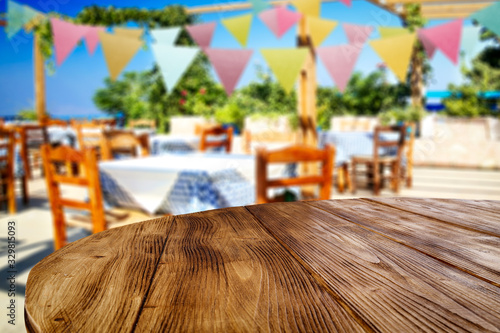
142 123
117 142
207 140
89 135
109 122
7 181
251 139
294 154
55 122
30 139
67 166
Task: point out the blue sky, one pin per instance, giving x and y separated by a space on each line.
71 87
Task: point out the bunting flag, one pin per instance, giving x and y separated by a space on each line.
357 34
346 2
166 36
387 32
239 27
286 64
66 36
279 20
308 7
229 65
488 17
202 33
17 17
470 40
319 29
129 32
445 37
173 62
118 51
92 37
340 61
396 53
258 6
429 47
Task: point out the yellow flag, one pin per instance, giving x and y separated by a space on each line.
396 53
118 51
129 32
285 64
239 27
308 7
387 32
319 29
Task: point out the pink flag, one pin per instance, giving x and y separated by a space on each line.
202 33
340 61
346 2
429 47
92 37
66 36
446 37
357 34
229 65
279 20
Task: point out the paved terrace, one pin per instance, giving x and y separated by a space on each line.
34 222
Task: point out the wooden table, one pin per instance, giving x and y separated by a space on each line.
365 265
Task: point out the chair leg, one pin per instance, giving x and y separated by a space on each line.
24 189
11 196
376 178
340 179
353 177
395 176
347 177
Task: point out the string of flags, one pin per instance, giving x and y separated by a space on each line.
395 46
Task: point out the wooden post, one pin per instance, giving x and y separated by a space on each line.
39 68
416 77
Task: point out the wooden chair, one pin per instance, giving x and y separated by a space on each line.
294 154
7 181
117 142
108 122
89 135
375 163
250 139
142 123
30 139
207 140
55 122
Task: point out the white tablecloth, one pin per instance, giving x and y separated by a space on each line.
181 183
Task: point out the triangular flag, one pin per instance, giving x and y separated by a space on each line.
239 27
258 6
446 37
66 36
308 7
429 47
118 51
229 65
285 64
357 34
173 62
92 37
166 36
340 61
202 33
279 20
470 40
346 2
396 53
18 16
129 32
319 29
488 17
387 32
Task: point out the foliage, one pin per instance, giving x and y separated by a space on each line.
364 95
27 114
467 100
397 115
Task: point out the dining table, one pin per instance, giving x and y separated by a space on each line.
353 265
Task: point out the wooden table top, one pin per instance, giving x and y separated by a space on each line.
363 265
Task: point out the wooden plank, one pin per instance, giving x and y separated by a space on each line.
96 284
391 286
483 216
471 251
222 272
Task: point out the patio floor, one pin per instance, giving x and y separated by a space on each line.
34 222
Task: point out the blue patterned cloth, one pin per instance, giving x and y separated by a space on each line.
167 144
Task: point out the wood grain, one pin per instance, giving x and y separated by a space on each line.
477 215
471 251
377 277
97 283
221 271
